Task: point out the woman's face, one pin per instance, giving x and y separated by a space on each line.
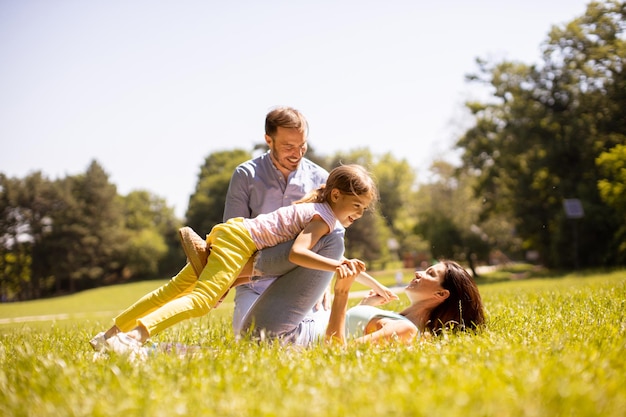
426 284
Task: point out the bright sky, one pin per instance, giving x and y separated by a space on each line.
150 88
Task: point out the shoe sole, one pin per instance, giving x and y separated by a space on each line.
195 249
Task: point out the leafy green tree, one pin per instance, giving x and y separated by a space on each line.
15 256
206 204
397 184
153 245
450 219
26 206
14 259
612 186
87 240
535 142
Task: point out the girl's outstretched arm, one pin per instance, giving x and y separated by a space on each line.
378 288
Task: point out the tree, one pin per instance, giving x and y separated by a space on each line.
26 206
612 187
15 259
535 143
397 185
153 245
449 218
87 240
206 205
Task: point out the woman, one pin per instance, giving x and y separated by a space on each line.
442 296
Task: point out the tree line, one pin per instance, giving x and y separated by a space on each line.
548 133
74 233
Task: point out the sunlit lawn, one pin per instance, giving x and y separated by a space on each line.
552 347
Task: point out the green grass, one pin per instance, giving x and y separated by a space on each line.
552 347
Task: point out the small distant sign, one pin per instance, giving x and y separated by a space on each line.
573 208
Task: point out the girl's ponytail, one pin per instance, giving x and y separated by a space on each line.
315 196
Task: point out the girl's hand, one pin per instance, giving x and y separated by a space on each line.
375 299
350 267
385 293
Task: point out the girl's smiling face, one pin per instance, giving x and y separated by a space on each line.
348 208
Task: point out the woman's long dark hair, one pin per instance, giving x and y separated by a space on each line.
463 309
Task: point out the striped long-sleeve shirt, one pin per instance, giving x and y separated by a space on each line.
286 223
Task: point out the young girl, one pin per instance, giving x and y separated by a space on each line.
229 254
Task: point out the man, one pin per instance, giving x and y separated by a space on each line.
275 179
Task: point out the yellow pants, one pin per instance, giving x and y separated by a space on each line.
186 296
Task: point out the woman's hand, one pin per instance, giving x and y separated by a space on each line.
346 274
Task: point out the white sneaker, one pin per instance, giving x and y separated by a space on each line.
98 343
123 344
101 355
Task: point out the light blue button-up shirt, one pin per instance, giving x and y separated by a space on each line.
257 186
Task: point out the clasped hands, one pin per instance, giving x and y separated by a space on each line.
348 272
350 268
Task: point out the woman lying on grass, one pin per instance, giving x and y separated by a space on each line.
443 296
